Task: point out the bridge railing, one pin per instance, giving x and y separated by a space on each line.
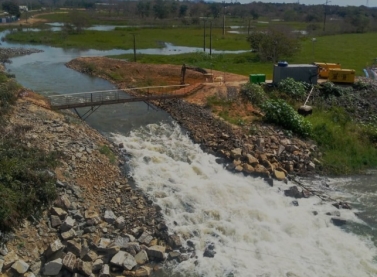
114 95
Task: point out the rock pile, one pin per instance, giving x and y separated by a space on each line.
87 241
266 152
98 224
14 52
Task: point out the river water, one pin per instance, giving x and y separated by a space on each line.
254 229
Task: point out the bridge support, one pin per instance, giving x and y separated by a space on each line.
87 113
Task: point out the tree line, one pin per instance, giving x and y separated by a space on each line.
353 19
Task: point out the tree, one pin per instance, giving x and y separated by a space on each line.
215 9
183 10
359 21
254 14
77 22
143 8
160 9
12 8
173 8
274 43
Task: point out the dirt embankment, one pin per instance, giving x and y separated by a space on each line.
249 147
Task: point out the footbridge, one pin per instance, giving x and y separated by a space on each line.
96 99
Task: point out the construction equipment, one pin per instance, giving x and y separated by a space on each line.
185 67
342 76
334 73
323 68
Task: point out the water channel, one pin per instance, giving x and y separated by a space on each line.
256 231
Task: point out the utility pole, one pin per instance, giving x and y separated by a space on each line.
248 27
210 38
134 35
324 19
223 18
204 36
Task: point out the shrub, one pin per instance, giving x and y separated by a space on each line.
8 96
360 85
105 150
369 129
280 113
253 93
330 89
296 90
26 182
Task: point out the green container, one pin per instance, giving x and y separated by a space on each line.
254 78
257 78
261 78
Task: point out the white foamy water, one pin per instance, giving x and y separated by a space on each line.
255 229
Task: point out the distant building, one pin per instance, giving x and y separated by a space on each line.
7 19
23 8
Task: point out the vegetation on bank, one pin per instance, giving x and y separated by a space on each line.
330 49
27 182
342 124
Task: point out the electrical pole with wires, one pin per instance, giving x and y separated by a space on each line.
324 19
134 36
204 35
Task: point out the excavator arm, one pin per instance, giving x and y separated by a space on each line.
185 67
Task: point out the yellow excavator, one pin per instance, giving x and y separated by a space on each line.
185 67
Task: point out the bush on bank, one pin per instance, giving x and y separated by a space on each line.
343 123
27 183
282 114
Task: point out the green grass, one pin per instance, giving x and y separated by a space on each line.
352 51
105 150
236 63
345 148
122 38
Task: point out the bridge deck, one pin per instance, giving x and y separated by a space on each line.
108 97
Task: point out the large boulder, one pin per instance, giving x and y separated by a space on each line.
124 260
293 192
20 266
69 261
53 268
10 259
156 252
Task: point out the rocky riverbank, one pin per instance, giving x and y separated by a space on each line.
6 53
266 152
260 149
98 224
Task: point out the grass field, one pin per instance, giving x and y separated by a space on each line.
352 51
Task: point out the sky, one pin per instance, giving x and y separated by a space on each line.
371 3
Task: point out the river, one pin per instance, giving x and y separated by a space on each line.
253 228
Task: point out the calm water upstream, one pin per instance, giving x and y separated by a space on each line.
255 229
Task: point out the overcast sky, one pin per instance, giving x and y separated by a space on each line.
371 3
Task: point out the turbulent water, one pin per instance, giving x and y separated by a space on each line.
256 231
